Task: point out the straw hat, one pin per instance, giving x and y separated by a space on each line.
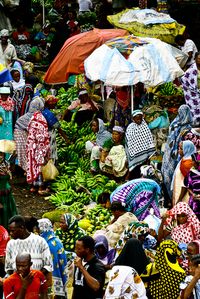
7 146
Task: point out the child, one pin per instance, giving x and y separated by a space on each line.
7 202
190 288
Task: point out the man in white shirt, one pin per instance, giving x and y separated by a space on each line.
25 242
188 47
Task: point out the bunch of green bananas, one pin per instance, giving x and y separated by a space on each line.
169 89
97 181
68 197
77 208
66 97
99 217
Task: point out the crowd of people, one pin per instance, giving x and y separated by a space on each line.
151 247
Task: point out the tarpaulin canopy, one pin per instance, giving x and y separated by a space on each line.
75 50
165 31
152 64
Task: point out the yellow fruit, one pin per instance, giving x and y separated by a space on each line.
1 120
84 224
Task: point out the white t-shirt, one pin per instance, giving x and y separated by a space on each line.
189 46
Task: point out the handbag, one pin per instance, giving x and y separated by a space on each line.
49 171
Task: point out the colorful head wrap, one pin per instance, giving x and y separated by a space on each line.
45 225
137 112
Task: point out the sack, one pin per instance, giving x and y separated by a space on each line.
49 171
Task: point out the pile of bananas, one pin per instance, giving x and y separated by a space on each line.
99 217
77 209
66 97
169 89
68 197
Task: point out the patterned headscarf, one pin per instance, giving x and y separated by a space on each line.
73 233
102 135
183 233
171 274
45 225
4 33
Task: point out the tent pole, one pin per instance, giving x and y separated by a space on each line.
102 92
132 99
43 12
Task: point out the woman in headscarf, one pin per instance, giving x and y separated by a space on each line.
7 50
103 253
59 274
181 224
139 195
113 156
180 125
133 255
6 114
21 131
37 151
186 150
69 231
164 275
139 143
125 282
102 135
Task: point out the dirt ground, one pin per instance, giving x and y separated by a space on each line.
28 204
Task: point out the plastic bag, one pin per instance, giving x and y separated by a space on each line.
49 171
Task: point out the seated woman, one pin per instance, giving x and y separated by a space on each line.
163 277
103 253
181 224
125 282
139 143
190 288
102 135
113 156
139 195
69 231
186 150
84 107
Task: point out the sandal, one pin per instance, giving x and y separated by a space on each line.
43 192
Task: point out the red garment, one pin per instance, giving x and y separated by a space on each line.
13 284
20 36
183 233
37 147
122 97
185 166
4 238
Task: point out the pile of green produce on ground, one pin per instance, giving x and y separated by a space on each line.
76 187
66 97
96 218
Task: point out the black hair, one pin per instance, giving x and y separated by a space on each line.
19 220
117 206
197 54
179 37
88 242
195 259
30 223
103 198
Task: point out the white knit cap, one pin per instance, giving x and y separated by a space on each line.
4 90
4 32
118 129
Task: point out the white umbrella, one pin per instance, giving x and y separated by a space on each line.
152 64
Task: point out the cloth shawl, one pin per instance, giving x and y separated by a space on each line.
133 255
170 273
125 282
102 135
180 125
59 256
183 233
109 254
37 147
191 91
139 144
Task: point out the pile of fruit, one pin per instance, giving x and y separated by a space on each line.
96 218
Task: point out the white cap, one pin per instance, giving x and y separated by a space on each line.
4 90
